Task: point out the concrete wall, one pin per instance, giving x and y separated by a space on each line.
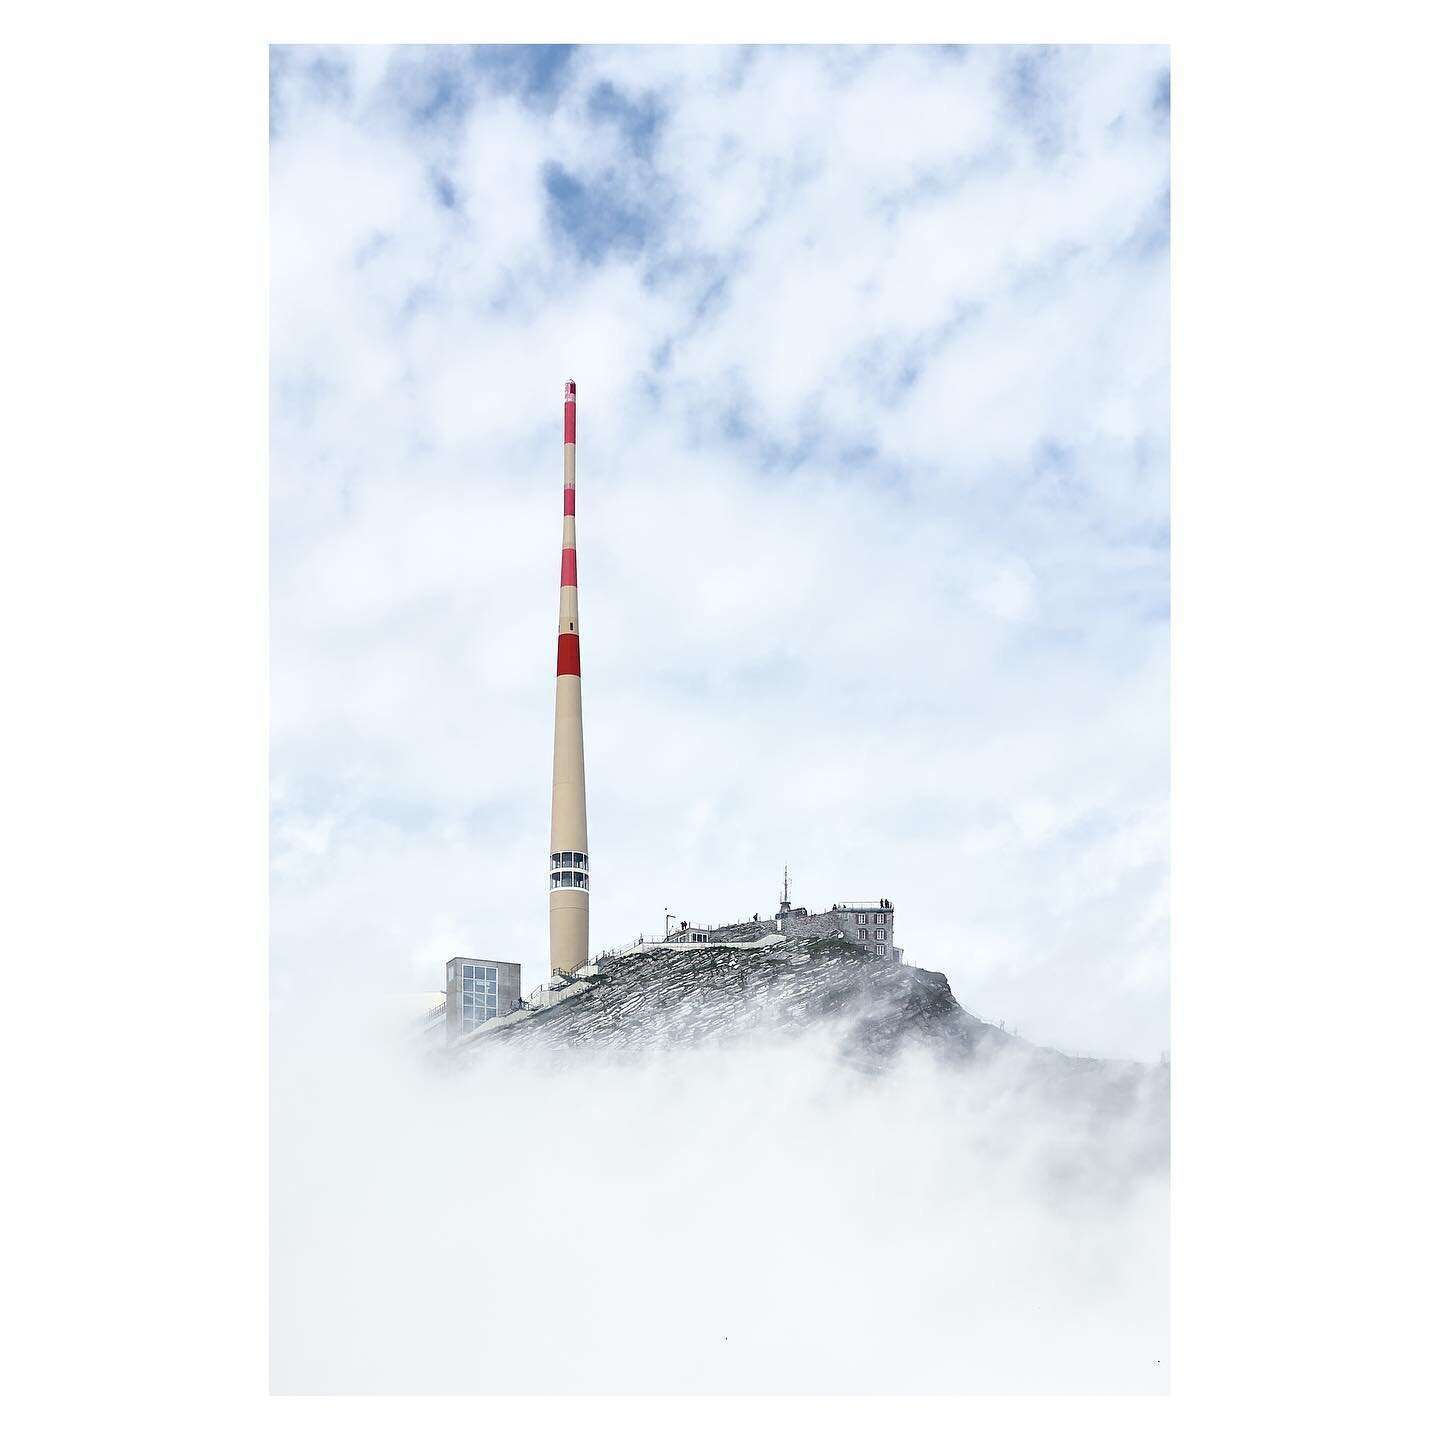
741 930
818 926
507 985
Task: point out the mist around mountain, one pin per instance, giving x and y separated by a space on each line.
792 1169
868 1014
699 994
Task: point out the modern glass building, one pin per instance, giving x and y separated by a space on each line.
477 991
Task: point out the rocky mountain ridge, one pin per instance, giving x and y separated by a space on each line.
679 996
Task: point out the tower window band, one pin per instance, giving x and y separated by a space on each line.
569 870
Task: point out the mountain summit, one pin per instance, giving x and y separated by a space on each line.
874 1012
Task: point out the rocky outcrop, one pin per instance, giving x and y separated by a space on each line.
689 995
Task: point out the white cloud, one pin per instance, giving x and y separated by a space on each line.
753 1221
873 506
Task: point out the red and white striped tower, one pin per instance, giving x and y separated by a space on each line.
569 845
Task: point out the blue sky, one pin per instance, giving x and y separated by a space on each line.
872 353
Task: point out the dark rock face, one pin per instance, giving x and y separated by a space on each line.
710 994
875 1010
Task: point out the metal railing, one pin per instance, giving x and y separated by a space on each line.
675 937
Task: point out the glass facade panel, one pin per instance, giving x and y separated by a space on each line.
477 992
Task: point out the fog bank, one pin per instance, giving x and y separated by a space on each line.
758 1220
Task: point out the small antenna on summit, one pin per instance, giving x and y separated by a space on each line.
785 893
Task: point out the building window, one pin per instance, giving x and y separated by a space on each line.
864 934
879 949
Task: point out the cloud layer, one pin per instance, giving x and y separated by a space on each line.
872 354
738 1221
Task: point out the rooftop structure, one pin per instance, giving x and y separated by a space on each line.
868 923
